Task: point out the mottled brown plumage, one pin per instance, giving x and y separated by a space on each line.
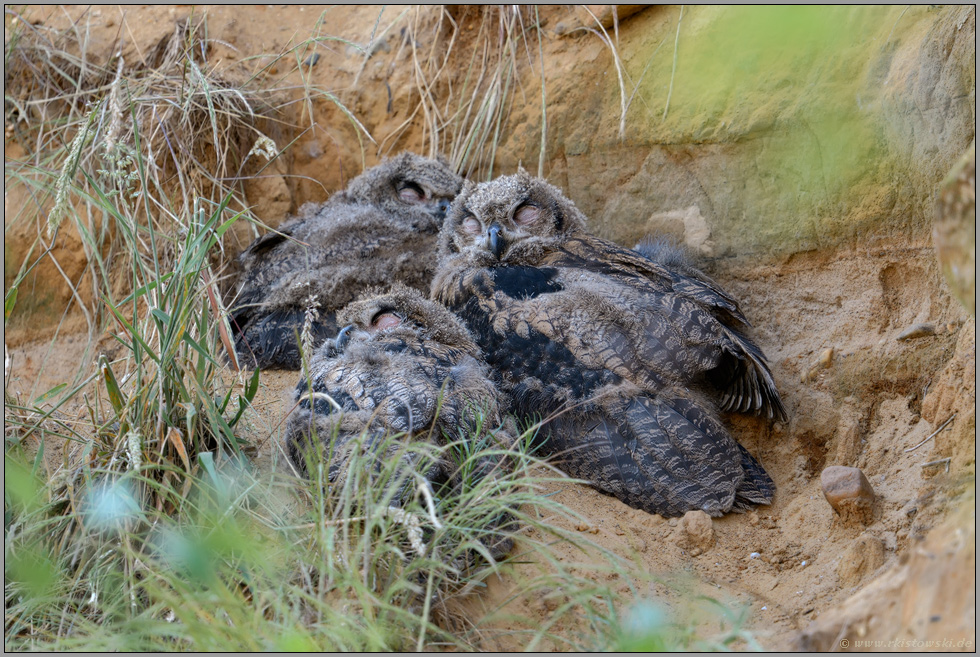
621 354
403 366
382 228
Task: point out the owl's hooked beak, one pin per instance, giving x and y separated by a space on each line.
440 209
343 338
497 243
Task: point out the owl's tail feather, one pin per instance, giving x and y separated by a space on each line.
756 487
666 454
270 340
750 388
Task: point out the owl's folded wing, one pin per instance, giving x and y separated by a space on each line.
690 325
663 453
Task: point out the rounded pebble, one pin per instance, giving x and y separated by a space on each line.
917 331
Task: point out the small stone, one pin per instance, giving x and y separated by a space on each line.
695 532
823 361
754 555
550 599
917 331
861 558
849 492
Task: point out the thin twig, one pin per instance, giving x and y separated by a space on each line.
932 435
221 318
895 25
544 100
673 70
369 49
639 81
619 69
940 461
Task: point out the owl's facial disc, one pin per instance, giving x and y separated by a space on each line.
528 214
414 194
472 226
409 192
493 240
385 320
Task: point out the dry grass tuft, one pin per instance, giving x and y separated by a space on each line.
154 137
467 64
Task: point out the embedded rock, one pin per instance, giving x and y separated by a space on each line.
695 532
849 492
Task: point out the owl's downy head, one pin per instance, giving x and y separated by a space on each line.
513 220
400 314
406 181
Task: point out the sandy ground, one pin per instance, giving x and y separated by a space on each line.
788 562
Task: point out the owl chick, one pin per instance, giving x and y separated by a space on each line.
383 227
621 356
402 366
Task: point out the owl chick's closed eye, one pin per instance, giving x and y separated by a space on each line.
402 367
382 228
620 354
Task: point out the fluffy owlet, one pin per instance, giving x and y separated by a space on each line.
625 358
383 227
402 366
